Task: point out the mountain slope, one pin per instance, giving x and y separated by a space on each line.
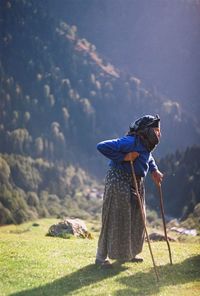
157 41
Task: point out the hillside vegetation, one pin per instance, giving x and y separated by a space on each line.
32 188
157 41
181 185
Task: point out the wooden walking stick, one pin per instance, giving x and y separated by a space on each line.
163 219
143 216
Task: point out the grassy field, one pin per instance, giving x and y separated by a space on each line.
34 264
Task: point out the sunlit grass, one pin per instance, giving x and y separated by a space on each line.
32 263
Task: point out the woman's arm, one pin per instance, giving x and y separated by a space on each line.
116 149
156 175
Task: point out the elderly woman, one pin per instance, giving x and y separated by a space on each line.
122 231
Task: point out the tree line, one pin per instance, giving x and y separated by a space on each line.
181 184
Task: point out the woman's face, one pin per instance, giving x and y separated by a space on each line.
157 132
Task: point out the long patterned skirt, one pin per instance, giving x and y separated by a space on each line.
122 232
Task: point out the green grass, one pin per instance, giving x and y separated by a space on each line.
34 264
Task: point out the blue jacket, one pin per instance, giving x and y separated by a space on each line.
116 150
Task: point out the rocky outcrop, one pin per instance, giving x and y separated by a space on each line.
69 227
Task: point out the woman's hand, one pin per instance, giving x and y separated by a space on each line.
157 177
131 156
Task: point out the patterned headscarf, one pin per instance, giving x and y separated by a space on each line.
144 128
145 121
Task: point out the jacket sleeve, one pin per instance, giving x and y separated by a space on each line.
152 164
115 149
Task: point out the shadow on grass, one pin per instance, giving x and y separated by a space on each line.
83 277
143 283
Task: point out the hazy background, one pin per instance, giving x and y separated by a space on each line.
157 41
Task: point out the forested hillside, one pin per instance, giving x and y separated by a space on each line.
34 188
181 185
157 41
58 98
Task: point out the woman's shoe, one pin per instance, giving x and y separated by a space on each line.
137 260
103 263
